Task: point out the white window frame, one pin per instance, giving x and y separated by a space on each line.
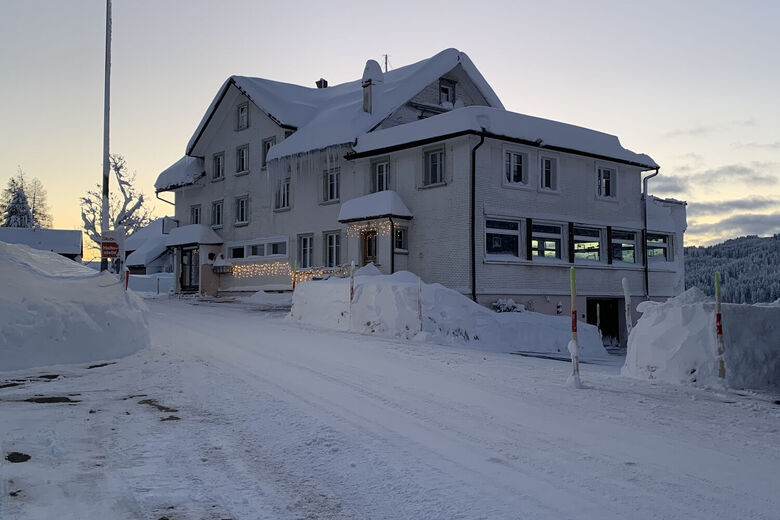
447 86
612 184
618 240
218 166
242 156
195 214
384 185
241 210
332 248
216 215
665 246
267 144
509 232
267 245
509 157
282 193
242 123
401 232
544 236
554 173
233 248
581 238
331 185
305 251
428 155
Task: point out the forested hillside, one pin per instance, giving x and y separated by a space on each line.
749 268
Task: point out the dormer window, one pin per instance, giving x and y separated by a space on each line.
242 116
446 92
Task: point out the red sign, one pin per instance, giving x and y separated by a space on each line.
109 249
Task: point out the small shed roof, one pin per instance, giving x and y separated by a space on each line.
381 204
192 234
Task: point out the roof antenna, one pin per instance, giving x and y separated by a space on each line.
385 57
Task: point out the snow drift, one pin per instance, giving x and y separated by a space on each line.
676 341
387 305
56 311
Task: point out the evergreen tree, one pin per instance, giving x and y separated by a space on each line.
36 197
17 213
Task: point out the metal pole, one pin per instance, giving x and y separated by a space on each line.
573 348
719 329
104 223
627 301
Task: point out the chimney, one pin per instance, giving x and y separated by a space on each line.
372 76
321 83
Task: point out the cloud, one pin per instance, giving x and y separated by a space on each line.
760 146
738 225
669 185
755 173
702 130
727 206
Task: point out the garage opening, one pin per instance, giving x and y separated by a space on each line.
609 311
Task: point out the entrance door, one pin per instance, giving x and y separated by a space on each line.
369 247
190 270
609 312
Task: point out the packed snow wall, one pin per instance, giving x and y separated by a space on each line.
387 305
55 311
676 341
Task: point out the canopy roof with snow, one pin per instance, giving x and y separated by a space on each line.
192 234
381 204
503 124
181 173
62 241
147 244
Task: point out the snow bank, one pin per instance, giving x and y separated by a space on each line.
386 305
56 311
273 300
675 341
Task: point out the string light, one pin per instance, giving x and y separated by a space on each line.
382 227
284 269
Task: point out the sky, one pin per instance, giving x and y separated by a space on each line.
694 84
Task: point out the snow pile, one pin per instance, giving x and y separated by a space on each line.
56 311
387 305
264 300
676 342
148 283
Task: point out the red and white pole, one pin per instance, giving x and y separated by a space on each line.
573 347
719 329
351 282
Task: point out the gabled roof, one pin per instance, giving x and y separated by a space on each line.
334 115
534 131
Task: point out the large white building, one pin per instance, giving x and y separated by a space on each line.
422 169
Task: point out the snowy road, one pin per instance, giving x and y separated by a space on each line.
279 421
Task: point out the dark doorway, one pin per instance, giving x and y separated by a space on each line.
609 311
369 247
190 270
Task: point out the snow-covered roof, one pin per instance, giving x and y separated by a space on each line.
334 115
501 123
150 231
375 205
181 173
148 252
62 241
192 234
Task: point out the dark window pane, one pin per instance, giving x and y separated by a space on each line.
499 244
501 224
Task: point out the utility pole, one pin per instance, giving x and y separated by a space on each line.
104 223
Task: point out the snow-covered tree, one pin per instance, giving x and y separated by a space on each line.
125 209
36 197
17 213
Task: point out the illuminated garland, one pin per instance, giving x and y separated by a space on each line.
382 227
283 269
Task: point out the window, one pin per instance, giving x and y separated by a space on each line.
216 213
267 144
434 167
658 249
304 251
330 188
446 92
515 167
237 252
587 242
549 173
623 246
606 186
195 214
242 210
380 178
242 159
332 249
267 247
546 240
282 195
219 166
400 242
257 250
276 248
502 237
242 116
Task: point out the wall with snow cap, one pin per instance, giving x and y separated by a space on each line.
676 342
386 305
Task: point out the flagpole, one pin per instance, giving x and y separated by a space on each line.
105 225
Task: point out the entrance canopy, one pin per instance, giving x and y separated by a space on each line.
382 204
192 234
